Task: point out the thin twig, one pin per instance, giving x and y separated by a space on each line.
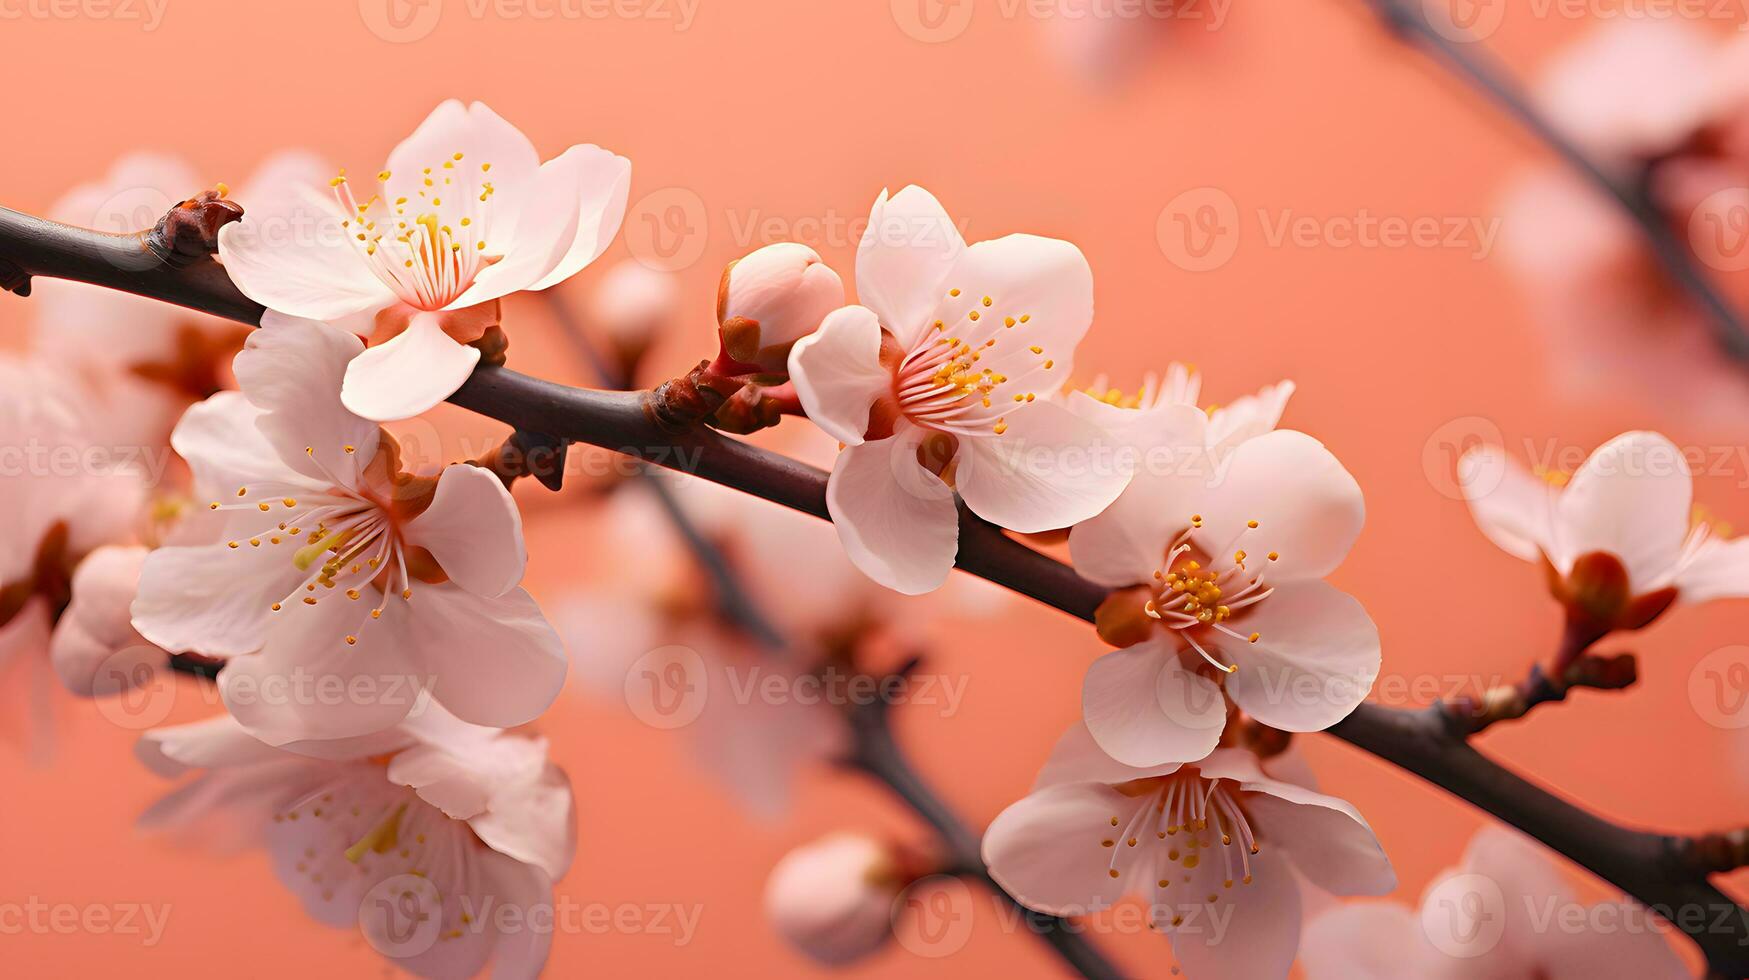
1469 62
1658 870
1471 716
733 602
876 753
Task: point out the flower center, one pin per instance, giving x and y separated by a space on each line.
1198 600
1177 826
345 538
427 240
940 383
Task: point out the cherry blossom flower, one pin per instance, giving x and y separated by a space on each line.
633 305
1212 849
1218 550
943 381
141 362
463 214
1621 537
444 824
327 564
1504 913
832 899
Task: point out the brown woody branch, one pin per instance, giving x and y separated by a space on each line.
1667 874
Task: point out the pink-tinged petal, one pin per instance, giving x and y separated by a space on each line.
290 253
1158 434
1144 709
903 261
212 599
1249 932
1077 758
308 684
95 648
1249 416
518 954
293 370
495 661
409 374
1047 849
897 521
225 448
1519 865
283 172
1325 838
483 138
474 531
1631 498
1044 285
1718 570
1512 507
1364 941
534 821
1307 507
576 208
1315 659
838 373
1047 470
1127 542
215 743
461 791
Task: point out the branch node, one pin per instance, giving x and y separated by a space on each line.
1715 853
14 279
683 404
189 231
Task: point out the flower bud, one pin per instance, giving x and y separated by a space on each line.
771 299
833 899
633 304
95 649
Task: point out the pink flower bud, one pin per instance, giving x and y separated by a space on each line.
633 304
773 298
833 899
95 649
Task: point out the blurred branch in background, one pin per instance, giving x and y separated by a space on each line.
1667 874
873 750
1469 61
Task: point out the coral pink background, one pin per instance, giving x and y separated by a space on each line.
799 110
